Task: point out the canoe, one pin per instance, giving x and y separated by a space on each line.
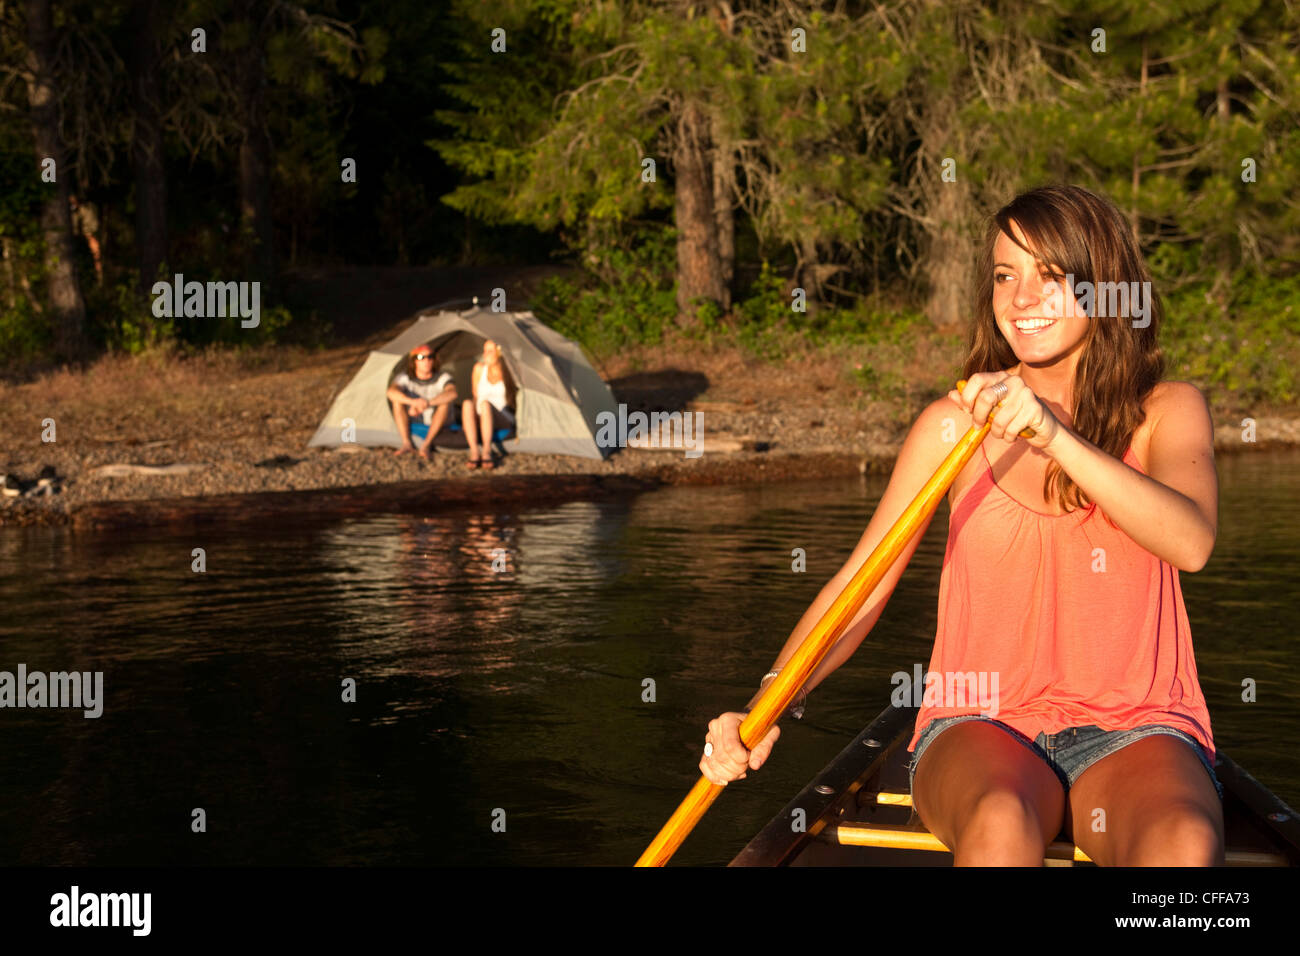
858 812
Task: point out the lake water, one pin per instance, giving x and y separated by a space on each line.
510 693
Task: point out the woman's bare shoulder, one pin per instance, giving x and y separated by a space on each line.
936 430
1172 405
1169 389
1176 400
940 412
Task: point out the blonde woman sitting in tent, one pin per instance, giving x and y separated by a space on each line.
421 400
492 407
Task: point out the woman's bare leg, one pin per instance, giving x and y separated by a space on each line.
485 422
987 797
1148 804
470 424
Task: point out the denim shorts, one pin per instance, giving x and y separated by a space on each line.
1068 752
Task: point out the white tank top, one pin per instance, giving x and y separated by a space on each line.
494 393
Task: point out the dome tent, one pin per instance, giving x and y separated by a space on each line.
556 406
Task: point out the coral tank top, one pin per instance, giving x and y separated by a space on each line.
1071 620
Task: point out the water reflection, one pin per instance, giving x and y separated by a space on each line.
501 661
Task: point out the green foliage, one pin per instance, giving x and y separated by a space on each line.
769 328
273 326
832 154
708 316
631 303
119 321
766 306
879 383
136 337
1244 354
24 335
1171 261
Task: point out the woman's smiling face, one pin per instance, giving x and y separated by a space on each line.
1033 307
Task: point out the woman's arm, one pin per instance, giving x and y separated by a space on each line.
1173 510
923 451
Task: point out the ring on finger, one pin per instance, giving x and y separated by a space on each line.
708 750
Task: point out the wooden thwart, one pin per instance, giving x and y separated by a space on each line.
905 838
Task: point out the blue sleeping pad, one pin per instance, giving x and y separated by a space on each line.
421 431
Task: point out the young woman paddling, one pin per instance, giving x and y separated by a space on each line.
1061 570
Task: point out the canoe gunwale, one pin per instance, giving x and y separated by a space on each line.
1268 811
777 843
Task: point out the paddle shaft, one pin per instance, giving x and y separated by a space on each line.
825 633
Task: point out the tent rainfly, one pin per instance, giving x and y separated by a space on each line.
556 406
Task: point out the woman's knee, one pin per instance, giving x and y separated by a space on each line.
1004 811
1004 807
1180 835
1001 826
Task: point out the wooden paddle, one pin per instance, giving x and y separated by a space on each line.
783 688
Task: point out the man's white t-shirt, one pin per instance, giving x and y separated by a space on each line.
427 389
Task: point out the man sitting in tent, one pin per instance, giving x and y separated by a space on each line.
421 400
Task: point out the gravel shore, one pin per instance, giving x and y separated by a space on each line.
211 428
180 432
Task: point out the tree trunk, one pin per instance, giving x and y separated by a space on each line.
147 149
723 174
11 280
256 223
950 254
1221 288
699 272
1136 183
67 311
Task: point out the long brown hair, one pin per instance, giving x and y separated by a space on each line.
433 365
1087 236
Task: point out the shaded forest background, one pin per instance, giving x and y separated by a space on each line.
704 167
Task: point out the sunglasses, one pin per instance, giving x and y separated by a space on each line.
424 355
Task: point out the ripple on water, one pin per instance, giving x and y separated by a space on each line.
559 662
